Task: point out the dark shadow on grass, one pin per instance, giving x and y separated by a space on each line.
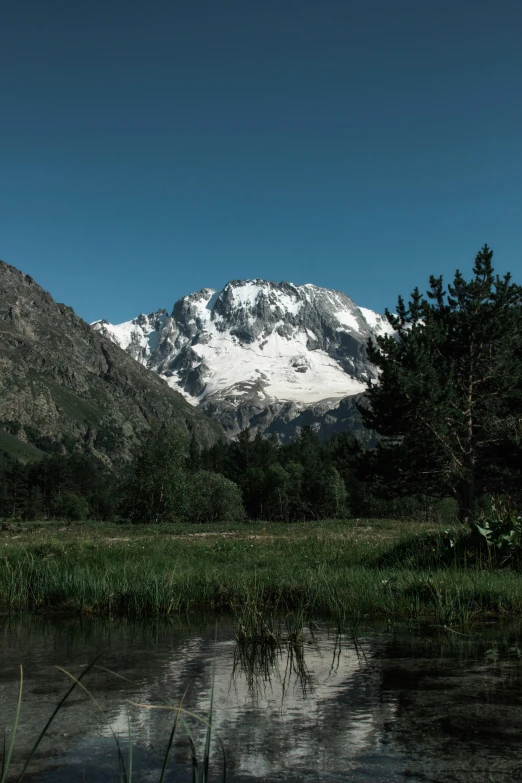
451 549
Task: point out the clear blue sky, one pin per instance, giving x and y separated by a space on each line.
149 149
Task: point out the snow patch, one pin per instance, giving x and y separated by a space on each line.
276 365
377 323
347 319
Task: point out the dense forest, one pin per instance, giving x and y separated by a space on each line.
171 479
447 412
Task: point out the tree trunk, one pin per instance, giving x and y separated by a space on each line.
467 487
466 498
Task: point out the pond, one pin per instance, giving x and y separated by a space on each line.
415 703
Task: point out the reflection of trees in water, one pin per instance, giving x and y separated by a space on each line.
459 703
313 708
445 703
41 644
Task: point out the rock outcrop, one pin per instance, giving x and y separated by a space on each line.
64 383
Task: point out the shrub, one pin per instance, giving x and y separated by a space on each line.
213 498
446 511
500 527
71 507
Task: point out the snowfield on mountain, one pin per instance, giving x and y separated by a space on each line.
256 350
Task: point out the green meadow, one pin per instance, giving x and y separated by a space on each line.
344 570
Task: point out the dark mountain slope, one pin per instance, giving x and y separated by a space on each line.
64 385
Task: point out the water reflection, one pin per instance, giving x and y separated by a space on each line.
263 666
421 704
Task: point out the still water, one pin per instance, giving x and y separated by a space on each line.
399 704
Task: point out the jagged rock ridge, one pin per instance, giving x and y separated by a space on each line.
257 353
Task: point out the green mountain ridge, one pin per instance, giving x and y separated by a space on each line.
64 386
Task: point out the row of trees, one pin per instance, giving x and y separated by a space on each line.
171 479
74 486
156 487
447 410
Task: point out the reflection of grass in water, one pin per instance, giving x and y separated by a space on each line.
267 635
200 767
285 662
492 641
261 663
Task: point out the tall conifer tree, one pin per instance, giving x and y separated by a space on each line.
448 404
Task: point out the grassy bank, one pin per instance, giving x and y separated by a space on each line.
347 571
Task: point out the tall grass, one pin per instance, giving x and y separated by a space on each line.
6 758
348 573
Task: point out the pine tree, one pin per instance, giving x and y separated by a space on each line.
448 402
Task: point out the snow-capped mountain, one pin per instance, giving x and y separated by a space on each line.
257 353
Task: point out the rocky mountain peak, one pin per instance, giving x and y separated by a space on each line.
256 346
253 308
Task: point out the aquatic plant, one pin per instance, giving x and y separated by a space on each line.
200 768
